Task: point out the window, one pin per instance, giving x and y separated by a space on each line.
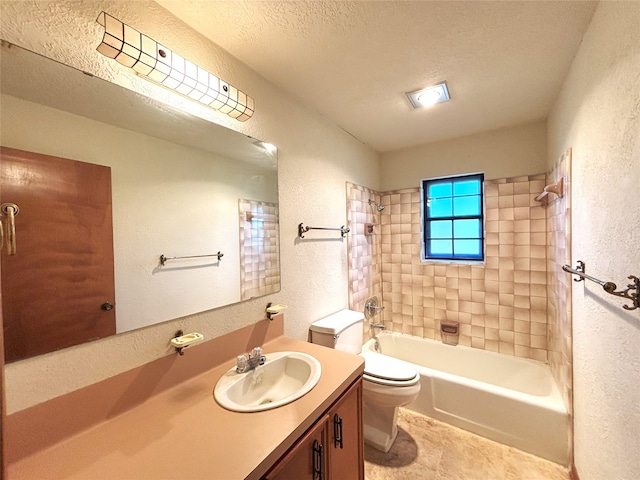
453 220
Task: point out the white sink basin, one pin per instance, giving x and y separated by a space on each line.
285 377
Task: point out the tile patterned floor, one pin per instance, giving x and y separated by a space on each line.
430 450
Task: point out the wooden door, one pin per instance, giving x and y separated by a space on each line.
346 444
54 287
3 409
307 459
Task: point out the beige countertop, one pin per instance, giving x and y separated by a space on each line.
182 433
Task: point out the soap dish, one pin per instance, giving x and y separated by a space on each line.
183 341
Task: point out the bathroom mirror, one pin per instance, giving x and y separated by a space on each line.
201 195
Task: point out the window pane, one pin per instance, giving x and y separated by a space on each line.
466 229
439 207
453 218
441 248
468 187
440 190
465 206
440 229
469 248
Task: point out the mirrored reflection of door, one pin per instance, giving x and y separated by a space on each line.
58 289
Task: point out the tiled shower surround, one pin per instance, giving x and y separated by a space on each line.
559 326
259 248
364 253
501 305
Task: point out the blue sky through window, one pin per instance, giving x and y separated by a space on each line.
453 221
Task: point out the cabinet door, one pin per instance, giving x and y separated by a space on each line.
307 460
346 443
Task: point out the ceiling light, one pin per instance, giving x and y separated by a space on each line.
429 96
155 62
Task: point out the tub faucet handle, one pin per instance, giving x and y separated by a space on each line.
372 307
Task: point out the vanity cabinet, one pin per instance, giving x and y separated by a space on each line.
73 445
307 458
346 438
332 449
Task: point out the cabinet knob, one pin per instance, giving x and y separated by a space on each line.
107 306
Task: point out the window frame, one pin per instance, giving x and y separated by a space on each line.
425 220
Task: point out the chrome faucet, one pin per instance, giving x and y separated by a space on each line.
247 362
377 325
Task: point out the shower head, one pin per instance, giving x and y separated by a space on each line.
378 206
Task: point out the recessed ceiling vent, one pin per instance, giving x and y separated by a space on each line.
428 96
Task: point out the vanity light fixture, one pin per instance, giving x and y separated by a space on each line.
428 96
153 61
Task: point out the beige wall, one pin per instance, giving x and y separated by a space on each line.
508 152
597 115
315 158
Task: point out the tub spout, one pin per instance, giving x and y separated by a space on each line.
377 325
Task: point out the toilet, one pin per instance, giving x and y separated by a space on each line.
388 383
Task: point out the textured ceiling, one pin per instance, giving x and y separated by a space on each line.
353 61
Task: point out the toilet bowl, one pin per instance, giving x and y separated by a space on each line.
388 383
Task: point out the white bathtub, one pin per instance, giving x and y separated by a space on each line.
508 399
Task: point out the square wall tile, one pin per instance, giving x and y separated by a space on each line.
493 299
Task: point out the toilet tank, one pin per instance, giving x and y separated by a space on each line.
343 331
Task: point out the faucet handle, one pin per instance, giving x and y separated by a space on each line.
256 352
241 363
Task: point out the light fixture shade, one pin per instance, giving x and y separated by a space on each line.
429 96
151 60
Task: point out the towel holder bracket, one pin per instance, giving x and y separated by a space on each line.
632 292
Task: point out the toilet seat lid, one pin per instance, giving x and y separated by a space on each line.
387 368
